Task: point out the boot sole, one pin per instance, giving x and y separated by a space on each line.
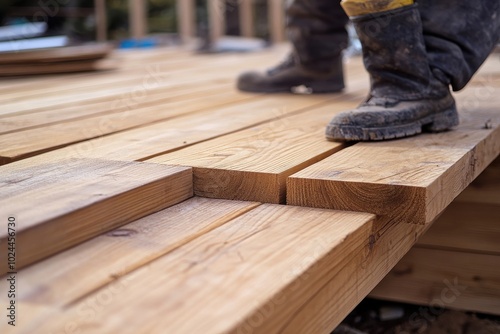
313 88
438 122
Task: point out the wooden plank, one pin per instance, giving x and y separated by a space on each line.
186 19
486 188
121 251
27 143
57 68
402 179
259 270
121 103
246 18
277 20
56 55
70 201
25 312
253 164
207 72
440 278
470 227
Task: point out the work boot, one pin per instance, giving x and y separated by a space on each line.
407 95
317 31
291 76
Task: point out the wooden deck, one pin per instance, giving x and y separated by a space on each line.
158 199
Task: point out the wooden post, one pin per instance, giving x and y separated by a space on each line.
101 20
186 19
276 20
137 18
217 19
246 18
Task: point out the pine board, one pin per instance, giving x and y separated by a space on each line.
265 264
23 144
66 277
174 133
70 201
411 179
440 278
122 103
113 84
469 227
253 164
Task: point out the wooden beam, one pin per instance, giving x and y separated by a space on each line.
59 205
220 283
469 227
412 179
186 19
253 164
101 20
137 18
123 250
445 279
24 144
276 20
246 18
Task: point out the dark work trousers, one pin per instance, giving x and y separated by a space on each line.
459 34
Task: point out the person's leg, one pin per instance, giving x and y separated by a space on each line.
459 35
411 65
317 31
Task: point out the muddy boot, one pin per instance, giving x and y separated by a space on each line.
291 76
317 31
407 95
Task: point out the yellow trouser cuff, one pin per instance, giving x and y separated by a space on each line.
363 7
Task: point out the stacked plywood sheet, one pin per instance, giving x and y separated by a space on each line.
52 60
160 189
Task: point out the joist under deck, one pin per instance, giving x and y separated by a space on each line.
157 198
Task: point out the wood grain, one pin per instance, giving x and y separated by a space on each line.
121 251
456 280
412 179
253 164
258 270
70 201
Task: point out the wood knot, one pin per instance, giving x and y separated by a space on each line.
121 233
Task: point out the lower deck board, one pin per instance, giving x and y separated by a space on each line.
266 260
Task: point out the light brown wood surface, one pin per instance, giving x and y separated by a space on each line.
470 227
253 164
244 270
121 251
58 205
412 179
213 265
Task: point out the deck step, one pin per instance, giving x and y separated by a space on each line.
58 205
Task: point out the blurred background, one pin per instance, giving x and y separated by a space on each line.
119 20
